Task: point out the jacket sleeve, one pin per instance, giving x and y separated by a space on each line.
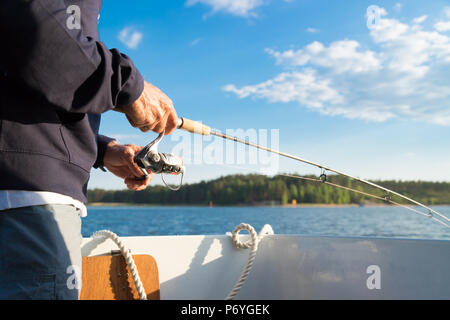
72 71
102 142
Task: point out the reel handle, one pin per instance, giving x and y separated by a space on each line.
194 126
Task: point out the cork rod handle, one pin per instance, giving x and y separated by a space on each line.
194 126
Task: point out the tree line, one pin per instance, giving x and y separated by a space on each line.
255 189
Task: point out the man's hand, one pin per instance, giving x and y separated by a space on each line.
118 159
152 111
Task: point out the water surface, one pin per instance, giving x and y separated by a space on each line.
341 221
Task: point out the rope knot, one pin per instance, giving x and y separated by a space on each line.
252 243
249 243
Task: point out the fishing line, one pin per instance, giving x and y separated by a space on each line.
384 199
199 128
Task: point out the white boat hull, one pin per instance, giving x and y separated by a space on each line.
294 267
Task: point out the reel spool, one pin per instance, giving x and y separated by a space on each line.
149 158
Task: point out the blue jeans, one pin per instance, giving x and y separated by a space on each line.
40 256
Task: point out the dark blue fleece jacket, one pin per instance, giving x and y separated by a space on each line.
56 79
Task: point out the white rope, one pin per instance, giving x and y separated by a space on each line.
253 244
128 257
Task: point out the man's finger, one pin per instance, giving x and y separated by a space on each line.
130 152
135 169
172 123
134 184
161 125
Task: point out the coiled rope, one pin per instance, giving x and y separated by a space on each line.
128 258
252 243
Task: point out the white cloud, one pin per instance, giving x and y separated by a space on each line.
130 37
243 8
398 6
409 50
442 26
420 19
388 30
404 75
125 136
367 110
447 12
341 56
305 87
312 30
195 42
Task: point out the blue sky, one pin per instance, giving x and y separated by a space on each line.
372 102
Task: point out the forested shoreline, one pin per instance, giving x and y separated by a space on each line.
278 190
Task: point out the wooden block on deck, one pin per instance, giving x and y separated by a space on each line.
108 278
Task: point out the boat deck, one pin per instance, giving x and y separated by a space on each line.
294 267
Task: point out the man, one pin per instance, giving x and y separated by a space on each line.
56 79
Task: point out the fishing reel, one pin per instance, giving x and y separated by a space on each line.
160 163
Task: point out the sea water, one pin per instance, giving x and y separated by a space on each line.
316 221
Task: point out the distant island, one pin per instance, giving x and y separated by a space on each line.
255 189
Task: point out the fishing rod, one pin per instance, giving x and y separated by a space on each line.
149 158
385 199
199 128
